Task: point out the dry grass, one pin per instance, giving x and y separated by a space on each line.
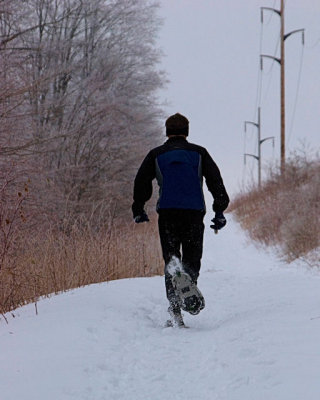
285 212
57 261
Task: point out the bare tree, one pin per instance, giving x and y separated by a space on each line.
86 80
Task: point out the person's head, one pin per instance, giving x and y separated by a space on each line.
177 124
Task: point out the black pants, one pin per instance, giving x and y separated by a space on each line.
181 230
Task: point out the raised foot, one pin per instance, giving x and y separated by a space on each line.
191 299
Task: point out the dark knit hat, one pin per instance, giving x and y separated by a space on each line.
177 124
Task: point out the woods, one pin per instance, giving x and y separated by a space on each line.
78 110
78 102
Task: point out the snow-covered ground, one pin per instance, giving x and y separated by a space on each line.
257 339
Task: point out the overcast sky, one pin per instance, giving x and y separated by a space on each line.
212 60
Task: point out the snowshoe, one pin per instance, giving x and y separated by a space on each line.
190 297
176 318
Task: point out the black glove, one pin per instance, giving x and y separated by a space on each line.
219 221
141 218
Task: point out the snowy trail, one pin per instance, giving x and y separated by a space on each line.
258 337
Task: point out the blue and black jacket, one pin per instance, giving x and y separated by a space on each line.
179 167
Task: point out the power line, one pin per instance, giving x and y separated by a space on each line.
259 81
269 73
271 15
297 94
317 42
257 103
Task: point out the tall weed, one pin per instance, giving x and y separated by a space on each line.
285 212
59 260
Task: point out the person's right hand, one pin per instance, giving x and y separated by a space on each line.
219 221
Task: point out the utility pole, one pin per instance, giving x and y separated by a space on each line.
281 61
260 141
282 89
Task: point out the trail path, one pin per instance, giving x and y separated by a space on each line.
257 339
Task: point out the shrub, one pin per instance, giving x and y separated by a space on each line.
284 212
